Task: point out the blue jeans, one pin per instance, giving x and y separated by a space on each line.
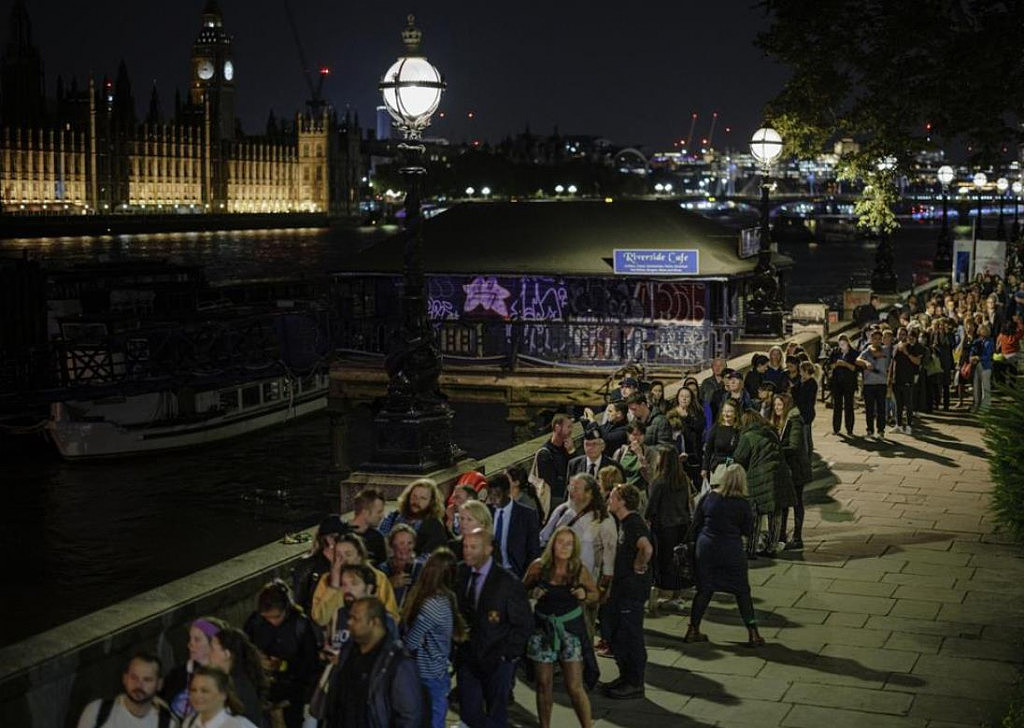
437 689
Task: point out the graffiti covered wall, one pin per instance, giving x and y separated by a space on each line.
571 320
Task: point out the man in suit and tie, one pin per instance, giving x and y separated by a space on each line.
516 527
495 606
592 459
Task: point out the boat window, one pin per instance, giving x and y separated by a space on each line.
251 396
229 400
271 391
308 382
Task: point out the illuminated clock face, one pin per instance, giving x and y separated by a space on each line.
205 70
229 70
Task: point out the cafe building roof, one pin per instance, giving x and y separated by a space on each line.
576 238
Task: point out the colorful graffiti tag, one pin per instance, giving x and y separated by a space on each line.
542 298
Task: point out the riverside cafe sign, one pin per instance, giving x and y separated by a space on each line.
633 262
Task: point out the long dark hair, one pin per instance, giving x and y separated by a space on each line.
224 685
666 467
245 658
437 578
518 474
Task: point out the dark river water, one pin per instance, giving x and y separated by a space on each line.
77 537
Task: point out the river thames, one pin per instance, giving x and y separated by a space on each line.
78 537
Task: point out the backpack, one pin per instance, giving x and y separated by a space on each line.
106 706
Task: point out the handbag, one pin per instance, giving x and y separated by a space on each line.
318 701
684 558
966 370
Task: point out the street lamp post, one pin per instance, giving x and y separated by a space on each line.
883 277
944 245
1015 230
1002 184
764 306
412 431
980 180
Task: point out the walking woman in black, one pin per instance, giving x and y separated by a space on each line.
722 519
668 514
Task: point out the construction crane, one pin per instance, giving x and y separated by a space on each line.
315 102
711 132
693 122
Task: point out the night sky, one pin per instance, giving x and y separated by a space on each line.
631 72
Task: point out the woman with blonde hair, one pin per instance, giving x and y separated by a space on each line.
420 506
473 514
722 519
561 586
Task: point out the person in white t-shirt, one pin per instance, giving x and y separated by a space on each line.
138 706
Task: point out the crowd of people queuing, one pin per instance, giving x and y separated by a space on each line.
558 563
935 348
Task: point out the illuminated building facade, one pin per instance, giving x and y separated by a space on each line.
85 151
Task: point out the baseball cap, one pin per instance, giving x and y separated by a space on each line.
629 382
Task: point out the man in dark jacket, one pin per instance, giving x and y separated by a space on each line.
374 684
659 431
593 457
516 527
497 611
713 386
548 472
613 430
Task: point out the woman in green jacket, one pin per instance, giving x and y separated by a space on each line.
760 454
790 426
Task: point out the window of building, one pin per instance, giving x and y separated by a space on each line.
272 391
251 396
229 400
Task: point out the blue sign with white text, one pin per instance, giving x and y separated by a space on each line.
657 262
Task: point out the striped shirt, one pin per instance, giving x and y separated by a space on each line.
429 638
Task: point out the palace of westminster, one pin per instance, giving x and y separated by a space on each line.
85 150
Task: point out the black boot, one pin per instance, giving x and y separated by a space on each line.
754 638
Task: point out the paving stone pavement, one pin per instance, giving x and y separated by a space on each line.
904 609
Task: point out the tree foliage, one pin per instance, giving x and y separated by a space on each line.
1004 422
880 70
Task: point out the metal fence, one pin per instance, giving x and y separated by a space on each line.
601 344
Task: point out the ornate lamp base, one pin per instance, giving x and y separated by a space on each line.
766 324
412 442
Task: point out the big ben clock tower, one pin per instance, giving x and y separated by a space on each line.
212 77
